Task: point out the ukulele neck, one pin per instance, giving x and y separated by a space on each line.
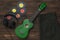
35 15
41 7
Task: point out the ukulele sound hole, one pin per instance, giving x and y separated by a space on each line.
26 26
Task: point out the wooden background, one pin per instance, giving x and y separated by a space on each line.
53 6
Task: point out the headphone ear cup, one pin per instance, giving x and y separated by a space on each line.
5 22
12 24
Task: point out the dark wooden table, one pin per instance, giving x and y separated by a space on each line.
32 5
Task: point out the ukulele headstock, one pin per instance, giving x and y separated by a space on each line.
42 6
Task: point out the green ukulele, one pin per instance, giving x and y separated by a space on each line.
22 30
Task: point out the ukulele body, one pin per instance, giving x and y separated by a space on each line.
23 30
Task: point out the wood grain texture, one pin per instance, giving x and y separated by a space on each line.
32 5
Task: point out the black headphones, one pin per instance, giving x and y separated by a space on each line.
10 21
